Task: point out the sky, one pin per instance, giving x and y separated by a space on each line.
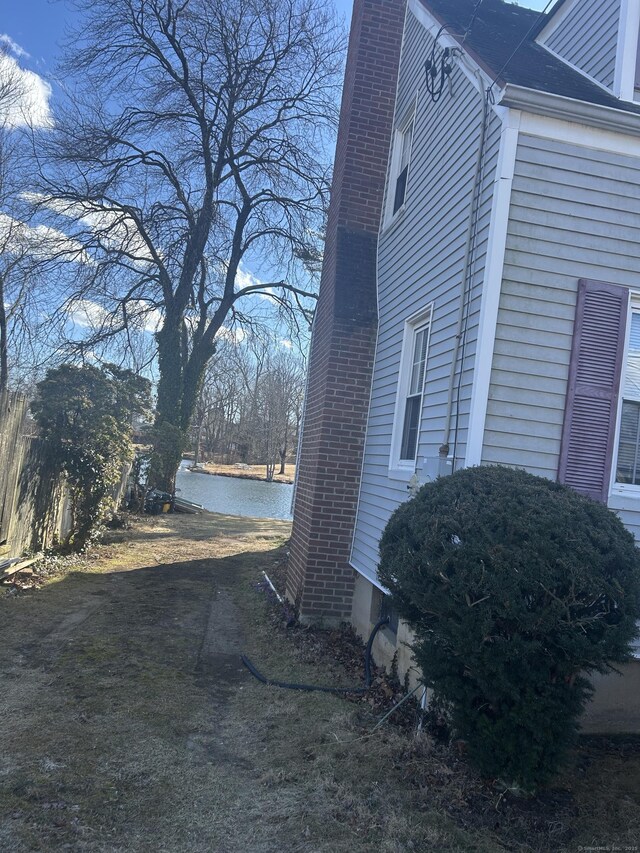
31 32
37 26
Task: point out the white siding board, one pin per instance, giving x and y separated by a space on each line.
534 366
420 261
629 518
575 213
588 47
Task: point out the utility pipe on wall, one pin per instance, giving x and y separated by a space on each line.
466 270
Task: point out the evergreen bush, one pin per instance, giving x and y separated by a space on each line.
517 588
84 419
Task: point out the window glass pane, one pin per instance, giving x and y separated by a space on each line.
419 362
406 146
632 366
401 186
628 446
410 428
404 141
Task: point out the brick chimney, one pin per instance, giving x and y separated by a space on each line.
319 578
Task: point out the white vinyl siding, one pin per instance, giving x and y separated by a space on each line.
420 261
587 37
575 213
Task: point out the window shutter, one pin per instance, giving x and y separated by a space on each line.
594 382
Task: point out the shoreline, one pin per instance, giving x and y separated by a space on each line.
242 475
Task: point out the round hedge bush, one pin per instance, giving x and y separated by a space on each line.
516 588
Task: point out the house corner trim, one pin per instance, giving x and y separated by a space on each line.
492 283
628 27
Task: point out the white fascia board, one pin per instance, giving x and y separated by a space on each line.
492 285
469 68
570 110
574 133
628 28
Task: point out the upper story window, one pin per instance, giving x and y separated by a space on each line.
401 159
628 463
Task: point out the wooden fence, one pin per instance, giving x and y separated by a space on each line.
34 506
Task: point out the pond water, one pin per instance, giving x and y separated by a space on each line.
235 496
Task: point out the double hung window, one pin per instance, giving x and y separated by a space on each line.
410 395
628 462
413 402
403 143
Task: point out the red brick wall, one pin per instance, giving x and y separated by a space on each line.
319 579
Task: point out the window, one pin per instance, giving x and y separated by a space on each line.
401 170
628 463
411 380
381 608
413 403
387 612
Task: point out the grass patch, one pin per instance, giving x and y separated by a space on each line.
132 725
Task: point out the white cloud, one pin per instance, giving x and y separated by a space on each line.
86 313
149 318
24 95
244 278
235 336
89 315
114 229
286 343
13 47
40 241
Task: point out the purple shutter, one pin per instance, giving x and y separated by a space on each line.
594 382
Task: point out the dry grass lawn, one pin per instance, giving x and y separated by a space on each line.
129 724
251 472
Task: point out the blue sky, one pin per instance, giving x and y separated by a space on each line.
38 26
34 29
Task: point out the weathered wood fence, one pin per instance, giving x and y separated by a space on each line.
34 506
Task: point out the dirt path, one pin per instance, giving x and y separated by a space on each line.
115 687
128 725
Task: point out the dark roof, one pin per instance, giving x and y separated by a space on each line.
497 30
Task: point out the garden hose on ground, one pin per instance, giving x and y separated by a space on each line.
311 687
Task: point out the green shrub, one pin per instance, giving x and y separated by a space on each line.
516 588
84 419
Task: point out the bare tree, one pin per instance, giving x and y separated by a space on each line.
11 252
24 248
194 147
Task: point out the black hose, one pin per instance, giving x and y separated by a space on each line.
314 687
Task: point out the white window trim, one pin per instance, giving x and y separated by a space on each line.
624 489
404 469
394 164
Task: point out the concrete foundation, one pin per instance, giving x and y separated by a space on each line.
614 709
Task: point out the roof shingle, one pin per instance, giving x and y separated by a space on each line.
498 30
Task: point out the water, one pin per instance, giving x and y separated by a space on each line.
235 496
